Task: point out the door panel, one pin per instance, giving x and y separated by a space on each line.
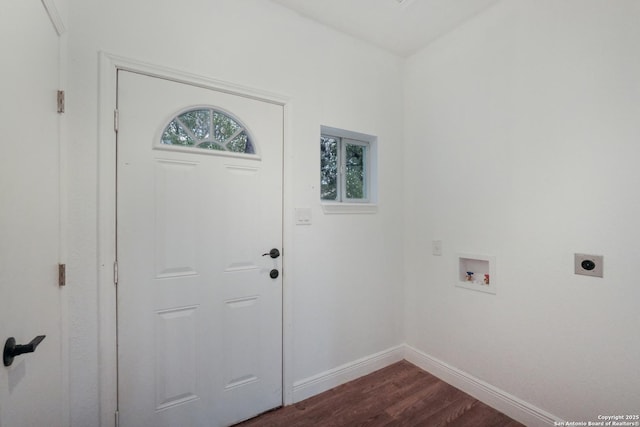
31 389
199 317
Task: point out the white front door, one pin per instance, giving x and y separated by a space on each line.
32 391
199 313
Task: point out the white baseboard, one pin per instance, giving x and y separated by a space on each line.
515 408
327 380
504 402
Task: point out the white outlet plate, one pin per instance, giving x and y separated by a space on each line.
436 247
585 260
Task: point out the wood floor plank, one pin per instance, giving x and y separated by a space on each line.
481 414
447 415
416 399
398 395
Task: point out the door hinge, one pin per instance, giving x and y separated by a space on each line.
62 274
115 272
60 101
117 418
116 120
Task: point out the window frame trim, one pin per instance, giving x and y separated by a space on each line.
158 145
354 206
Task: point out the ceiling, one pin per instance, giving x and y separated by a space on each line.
400 26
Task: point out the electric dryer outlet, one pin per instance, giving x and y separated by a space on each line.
589 265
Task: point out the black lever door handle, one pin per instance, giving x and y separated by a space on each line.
273 253
11 349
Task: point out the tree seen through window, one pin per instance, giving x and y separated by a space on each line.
343 169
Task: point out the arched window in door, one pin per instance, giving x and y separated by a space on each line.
209 129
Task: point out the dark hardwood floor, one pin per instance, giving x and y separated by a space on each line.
398 395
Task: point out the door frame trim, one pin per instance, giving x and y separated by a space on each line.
108 66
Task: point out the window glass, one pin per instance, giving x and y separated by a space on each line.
174 134
328 168
355 161
208 129
344 169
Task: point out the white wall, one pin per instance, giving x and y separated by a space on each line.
522 141
347 270
519 131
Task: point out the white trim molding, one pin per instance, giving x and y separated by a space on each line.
327 380
504 402
349 208
54 15
107 334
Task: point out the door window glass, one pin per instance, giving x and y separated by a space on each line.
208 129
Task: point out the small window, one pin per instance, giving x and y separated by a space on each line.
345 166
208 129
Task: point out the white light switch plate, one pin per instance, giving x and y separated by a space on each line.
303 216
436 247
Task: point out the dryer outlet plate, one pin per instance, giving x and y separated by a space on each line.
589 265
